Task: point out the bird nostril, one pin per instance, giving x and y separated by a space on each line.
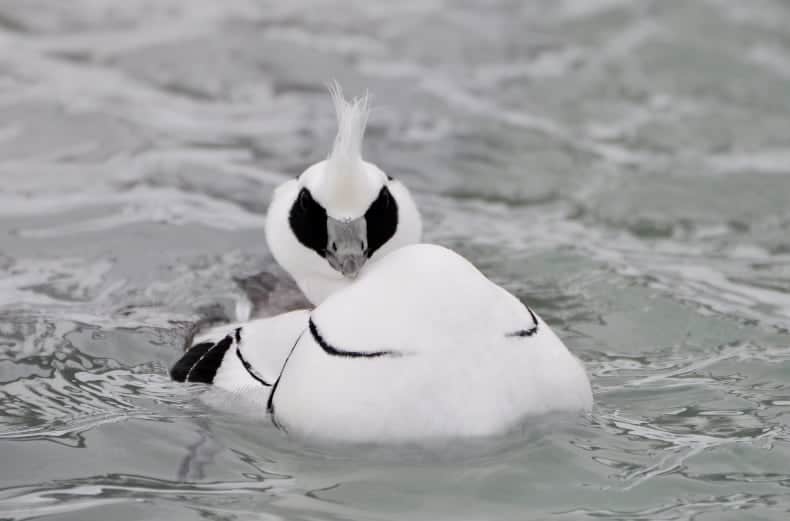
334 246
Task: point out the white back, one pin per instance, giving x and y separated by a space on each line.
456 369
416 290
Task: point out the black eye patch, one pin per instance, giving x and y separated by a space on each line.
308 222
382 220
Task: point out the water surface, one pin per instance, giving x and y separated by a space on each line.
624 167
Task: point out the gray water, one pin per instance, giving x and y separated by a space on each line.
622 166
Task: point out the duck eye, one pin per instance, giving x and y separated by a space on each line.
334 246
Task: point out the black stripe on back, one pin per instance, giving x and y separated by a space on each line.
526 332
200 363
382 220
252 372
331 350
270 402
308 222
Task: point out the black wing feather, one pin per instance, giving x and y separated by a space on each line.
201 362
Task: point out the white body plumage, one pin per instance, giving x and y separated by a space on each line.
421 346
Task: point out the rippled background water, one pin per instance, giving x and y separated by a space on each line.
623 166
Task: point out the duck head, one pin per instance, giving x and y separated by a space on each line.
341 211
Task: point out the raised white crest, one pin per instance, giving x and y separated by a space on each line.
352 118
348 184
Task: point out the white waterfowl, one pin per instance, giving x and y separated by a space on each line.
341 212
421 346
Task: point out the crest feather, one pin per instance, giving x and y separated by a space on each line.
352 118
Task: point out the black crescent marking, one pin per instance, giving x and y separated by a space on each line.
201 362
270 401
252 372
382 220
526 332
308 222
331 350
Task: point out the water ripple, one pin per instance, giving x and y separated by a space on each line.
620 166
